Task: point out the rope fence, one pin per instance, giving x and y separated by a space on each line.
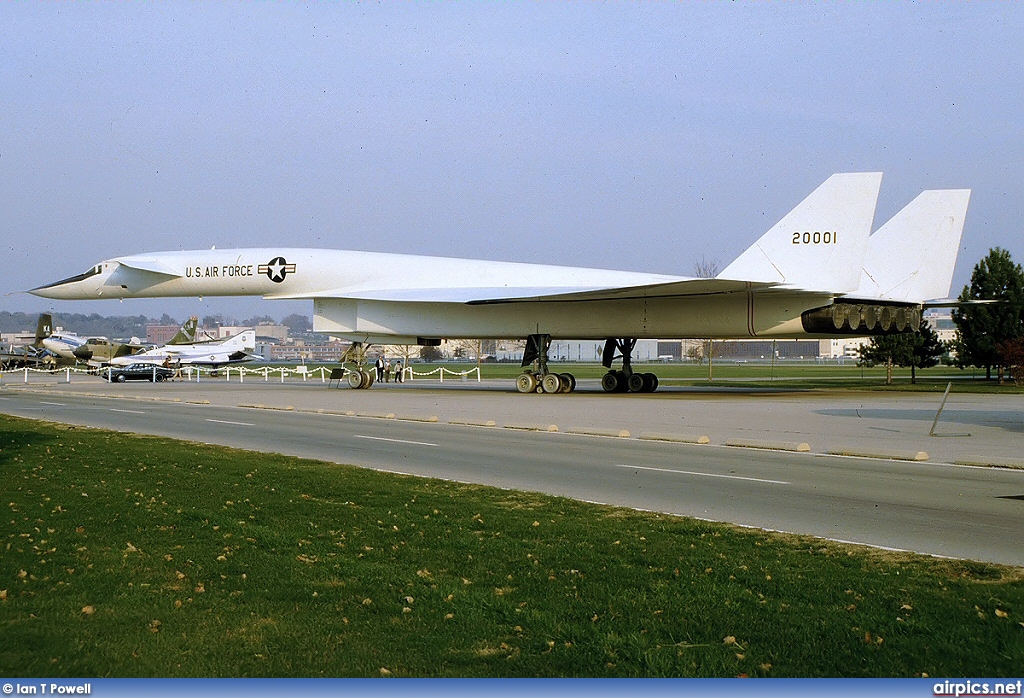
239 373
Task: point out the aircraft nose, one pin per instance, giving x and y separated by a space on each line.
83 352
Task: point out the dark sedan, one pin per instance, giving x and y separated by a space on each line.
137 372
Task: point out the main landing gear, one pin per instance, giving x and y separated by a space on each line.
539 379
624 380
358 377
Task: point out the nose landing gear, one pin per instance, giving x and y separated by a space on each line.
358 377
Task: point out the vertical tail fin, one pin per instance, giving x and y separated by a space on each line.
187 333
243 340
911 257
820 244
44 328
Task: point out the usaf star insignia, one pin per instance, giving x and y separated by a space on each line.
277 269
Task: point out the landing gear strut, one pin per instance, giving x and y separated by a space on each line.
358 377
537 378
625 380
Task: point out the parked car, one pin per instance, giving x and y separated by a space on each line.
137 372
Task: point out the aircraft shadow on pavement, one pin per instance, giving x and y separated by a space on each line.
1009 420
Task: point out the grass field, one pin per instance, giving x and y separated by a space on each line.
784 374
140 556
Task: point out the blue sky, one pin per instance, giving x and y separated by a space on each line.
641 136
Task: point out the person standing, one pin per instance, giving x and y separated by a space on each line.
380 369
399 374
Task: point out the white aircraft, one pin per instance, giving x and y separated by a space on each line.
792 283
212 353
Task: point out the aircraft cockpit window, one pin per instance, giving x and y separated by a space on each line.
98 269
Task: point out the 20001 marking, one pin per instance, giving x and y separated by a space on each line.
816 238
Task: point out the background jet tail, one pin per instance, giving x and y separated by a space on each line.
910 259
44 328
243 340
820 245
187 333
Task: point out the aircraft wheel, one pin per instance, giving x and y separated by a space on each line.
355 379
368 378
526 383
568 382
611 382
121 378
652 380
552 383
636 383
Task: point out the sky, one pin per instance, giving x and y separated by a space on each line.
636 136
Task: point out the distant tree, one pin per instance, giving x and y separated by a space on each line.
928 349
166 319
916 349
888 349
1011 357
258 320
472 348
431 353
298 323
982 328
17 322
707 269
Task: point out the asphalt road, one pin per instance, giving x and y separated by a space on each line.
935 508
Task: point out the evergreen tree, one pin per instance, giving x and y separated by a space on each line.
917 349
927 349
890 349
982 328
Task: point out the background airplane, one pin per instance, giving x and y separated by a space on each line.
214 353
34 355
793 282
99 351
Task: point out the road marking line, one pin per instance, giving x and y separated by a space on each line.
396 441
128 411
225 421
691 472
56 404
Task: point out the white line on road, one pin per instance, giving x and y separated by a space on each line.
691 472
225 421
55 404
128 411
396 441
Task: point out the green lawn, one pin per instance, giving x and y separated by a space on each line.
139 556
784 374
